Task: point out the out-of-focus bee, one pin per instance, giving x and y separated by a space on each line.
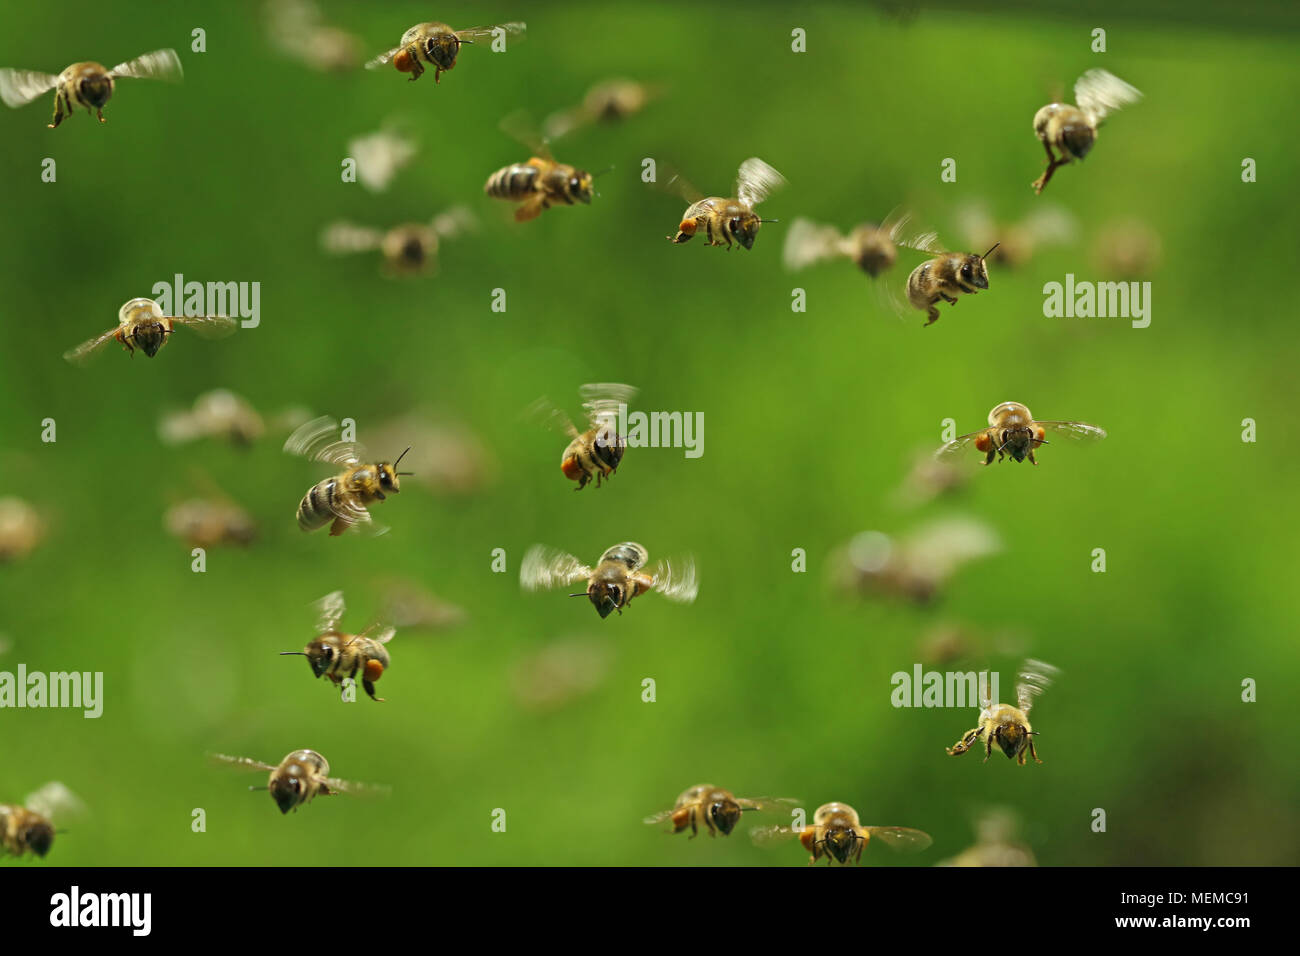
380 155
413 608
596 452
336 655
615 580
438 45
945 276
142 325
1016 242
541 182
409 249
1072 130
448 456
610 101
216 414
209 523
1013 431
1127 249
1008 726
560 673
837 835
725 221
916 565
871 247
714 809
297 28
85 84
930 478
21 529
995 843
300 777
29 827
344 500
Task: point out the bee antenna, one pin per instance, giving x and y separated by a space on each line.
259 788
401 456
579 594
607 169
769 220
287 653
990 252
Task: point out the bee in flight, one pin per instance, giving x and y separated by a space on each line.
344 500
917 564
725 221
615 580
29 827
337 655
299 30
1073 129
300 777
142 325
1008 726
596 452
438 45
996 843
713 808
1015 243
872 247
540 182
410 249
611 101
1013 431
21 529
210 522
945 276
837 835
85 84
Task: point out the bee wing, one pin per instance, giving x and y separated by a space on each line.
942 546
601 400
564 122
755 181
959 444
242 763
87 350
766 803
544 412
158 65
1034 678
315 440
547 568
660 817
515 31
343 238
677 580
354 789
1079 431
329 611
55 801
1099 93
20 87
904 839
976 224
383 59
379 633
807 242
521 126
927 242
770 836
207 326
379 156
676 184
357 518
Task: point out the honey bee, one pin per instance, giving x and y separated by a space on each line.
344 500
142 325
945 276
596 452
409 249
995 843
85 84
209 523
560 672
915 565
837 835
1073 129
337 655
713 808
1127 249
438 45
1013 431
616 579
1006 725
413 608
871 247
297 28
610 101
727 220
29 828
449 457
541 181
380 155
1016 242
299 778
216 414
21 529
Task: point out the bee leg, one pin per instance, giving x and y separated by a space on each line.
933 313
100 114
369 685
988 745
1032 460
59 113
340 525
1032 752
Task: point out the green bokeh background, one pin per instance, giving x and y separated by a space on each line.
769 684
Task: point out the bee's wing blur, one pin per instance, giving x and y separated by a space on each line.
960 444
807 242
207 326
975 224
770 836
942 546
904 839
677 580
920 241
357 518
1099 93
242 763
158 65
87 350
545 413
380 633
329 611
454 221
564 122
601 400
383 59
175 427
1050 224
54 801
1034 678
660 817
515 31
545 568
355 789
766 803
755 181
676 184
521 126
20 87
343 238
316 440
1079 431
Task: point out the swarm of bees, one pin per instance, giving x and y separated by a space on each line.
336 655
1013 431
29 827
410 249
439 45
142 325
713 809
597 451
615 580
838 836
1071 130
89 85
299 778
342 501
1008 726
727 221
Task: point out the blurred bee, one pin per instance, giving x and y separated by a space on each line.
142 325
21 529
344 500
438 45
1008 726
1072 130
596 452
1127 249
1013 431
299 778
413 608
216 414
871 247
995 843
1015 243
380 155
560 673
616 579
30 827
610 101
297 28
930 478
945 276
725 221
337 655
409 249
837 835
713 808
916 565
209 523
541 182
85 84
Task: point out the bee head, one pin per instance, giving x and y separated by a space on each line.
319 654
389 476
1012 740
441 49
95 89
606 596
38 837
840 842
286 791
1077 139
608 447
580 186
150 336
725 814
973 272
744 228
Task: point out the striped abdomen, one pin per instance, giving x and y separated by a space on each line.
629 553
517 181
317 508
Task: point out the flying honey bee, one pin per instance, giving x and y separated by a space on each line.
541 182
714 809
837 835
344 500
410 249
380 155
995 843
1073 129
216 414
1126 249
1015 243
299 778
1013 431
209 523
299 30
596 452
414 608
1008 726
438 45
336 655
725 221
872 247
85 84
616 579
945 276
142 325
610 101
915 565
21 529
29 827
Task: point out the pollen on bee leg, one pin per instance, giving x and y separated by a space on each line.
572 468
983 443
374 670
